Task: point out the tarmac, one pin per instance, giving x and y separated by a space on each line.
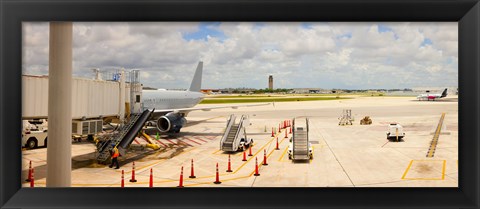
344 156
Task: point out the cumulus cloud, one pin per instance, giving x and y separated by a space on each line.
323 55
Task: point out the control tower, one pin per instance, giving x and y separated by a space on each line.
270 82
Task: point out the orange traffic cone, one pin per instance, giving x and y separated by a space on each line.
272 132
250 150
217 179
244 156
279 127
286 132
151 178
192 175
32 179
122 184
229 164
264 157
29 172
133 173
284 124
256 167
290 129
277 145
180 184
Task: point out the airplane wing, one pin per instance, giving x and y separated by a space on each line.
160 112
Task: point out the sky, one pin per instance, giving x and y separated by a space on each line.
299 55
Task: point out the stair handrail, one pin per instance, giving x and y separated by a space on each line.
293 138
115 138
240 126
307 121
227 130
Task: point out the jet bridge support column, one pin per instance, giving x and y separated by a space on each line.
59 149
122 96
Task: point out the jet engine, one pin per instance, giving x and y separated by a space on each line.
171 122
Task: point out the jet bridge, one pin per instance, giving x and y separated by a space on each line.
235 136
300 148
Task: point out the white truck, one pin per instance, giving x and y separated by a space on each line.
34 134
394 130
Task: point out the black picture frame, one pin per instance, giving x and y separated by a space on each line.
13 12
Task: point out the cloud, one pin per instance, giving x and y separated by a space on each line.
324 55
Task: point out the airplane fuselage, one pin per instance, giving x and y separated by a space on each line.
164 99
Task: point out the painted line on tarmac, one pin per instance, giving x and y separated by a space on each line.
261 164
241 166
192 141
410 165
180 141
283 154
433 144
408 168
198 138
211 176
171 142
258 151
231 179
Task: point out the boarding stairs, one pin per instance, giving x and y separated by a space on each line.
300 142
346 118
103 152
234 132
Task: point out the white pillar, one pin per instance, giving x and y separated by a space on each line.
122 95
59 149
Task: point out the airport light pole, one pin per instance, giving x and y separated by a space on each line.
59 149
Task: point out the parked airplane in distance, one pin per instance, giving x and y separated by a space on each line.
432 97
171 107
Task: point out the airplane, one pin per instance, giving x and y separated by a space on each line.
432 97
171 107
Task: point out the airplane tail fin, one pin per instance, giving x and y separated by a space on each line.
197 78
444 93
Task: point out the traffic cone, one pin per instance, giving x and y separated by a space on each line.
256 167
32 179
290 129
229 164
250 150
217 179
244 156
264 157
286 132
133 173
277 145
29 172
151 178
123 181
180 184
284 124
279 127
192 175
272 133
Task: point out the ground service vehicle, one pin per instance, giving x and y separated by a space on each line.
34 139
394 130
300 148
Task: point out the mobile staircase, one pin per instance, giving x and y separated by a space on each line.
300 146
123 137
235 136
346 118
